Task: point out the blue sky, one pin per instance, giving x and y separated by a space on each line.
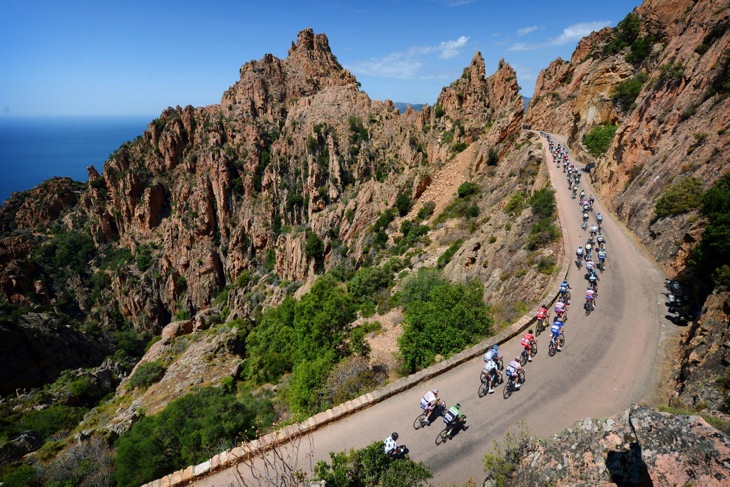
133 57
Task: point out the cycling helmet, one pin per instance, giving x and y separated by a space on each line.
457 405
495 347
394 436
436 392
530 332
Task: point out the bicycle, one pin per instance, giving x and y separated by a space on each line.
589 306
444 434
541 325
584 225
484 384
554 343
533 351
510 387
422 419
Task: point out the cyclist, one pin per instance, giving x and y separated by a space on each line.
556 329
565 291
542 314
593 280
527 343
391 448
585 220
600 239
589 265
599 218
586 207
582 195
493 354
592 199
429 402
589 246
593 229
453 419
490 375
579 252
591 297
602 257
560 310
513 370
575 190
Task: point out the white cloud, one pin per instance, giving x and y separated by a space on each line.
572 33
459 3
578 31
526 30
407 64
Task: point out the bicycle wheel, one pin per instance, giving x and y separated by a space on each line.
420 421
562 340
522 376
588 308
442 436
508 389
552 348
483 389
523 357
533 348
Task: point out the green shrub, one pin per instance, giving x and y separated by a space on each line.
369 467
681 197
440 318
670 74
543 203
45 422
467 189
472 211
369 280
147 374
515 205
403 204
144 257
626 92
598 140
314 249
426 210
492 157
189 430
446 257
459 147
712 254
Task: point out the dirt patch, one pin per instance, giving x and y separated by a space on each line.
384 342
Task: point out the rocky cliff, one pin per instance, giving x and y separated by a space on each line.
661 77
637 448
232 207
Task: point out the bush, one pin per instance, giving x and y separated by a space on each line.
403 204
440 318
467 189
598 140
683 196
515 205
543 203
493 157
314 249
147 374
189 430
369 280
426 210
712 254
626 92
45 422
445 258
368 467
144 257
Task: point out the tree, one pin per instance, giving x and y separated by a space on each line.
403 204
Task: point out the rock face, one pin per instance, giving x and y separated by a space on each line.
676 127
227 196
705 357
37 348
639 447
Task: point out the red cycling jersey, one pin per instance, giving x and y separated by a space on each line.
527 339
542 313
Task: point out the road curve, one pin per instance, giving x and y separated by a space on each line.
606 365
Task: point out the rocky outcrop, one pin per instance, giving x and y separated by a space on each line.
702 380
38 347
676 127
639 447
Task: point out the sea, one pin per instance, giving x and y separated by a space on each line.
33 149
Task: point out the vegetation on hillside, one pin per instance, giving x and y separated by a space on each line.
598 140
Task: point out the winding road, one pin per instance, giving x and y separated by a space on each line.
608 363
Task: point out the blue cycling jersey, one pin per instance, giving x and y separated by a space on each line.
556 328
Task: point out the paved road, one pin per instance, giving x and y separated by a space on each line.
606 365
